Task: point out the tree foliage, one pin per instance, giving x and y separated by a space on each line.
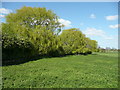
34 17
32 32
75 42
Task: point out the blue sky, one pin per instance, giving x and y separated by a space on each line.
98 20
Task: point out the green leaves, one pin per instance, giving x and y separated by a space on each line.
32 17
74 42
32 32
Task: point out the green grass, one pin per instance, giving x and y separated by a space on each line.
99 70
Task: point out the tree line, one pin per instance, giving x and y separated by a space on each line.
34 32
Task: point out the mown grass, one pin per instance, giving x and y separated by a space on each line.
99 70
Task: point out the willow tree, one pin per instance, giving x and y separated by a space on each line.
91 44
73 41
30 31
31 17
15 42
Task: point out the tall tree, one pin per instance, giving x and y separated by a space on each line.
92 45
73 41
33 17
30 32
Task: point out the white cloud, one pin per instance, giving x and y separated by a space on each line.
2 16
67 23
5 11
92 16
108 37
114 26
115 17
104 39
96 32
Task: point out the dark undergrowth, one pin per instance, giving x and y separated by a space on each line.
17 61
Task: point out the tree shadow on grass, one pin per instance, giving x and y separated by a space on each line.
21 60
94 54
25 60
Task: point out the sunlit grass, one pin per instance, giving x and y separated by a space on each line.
78 71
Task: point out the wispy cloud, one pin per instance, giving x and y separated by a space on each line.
110 18
96 32
92 16
67 23
4 11
2 16
114 26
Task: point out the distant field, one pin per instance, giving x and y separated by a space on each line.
99 70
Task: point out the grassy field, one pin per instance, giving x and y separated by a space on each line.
99 70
